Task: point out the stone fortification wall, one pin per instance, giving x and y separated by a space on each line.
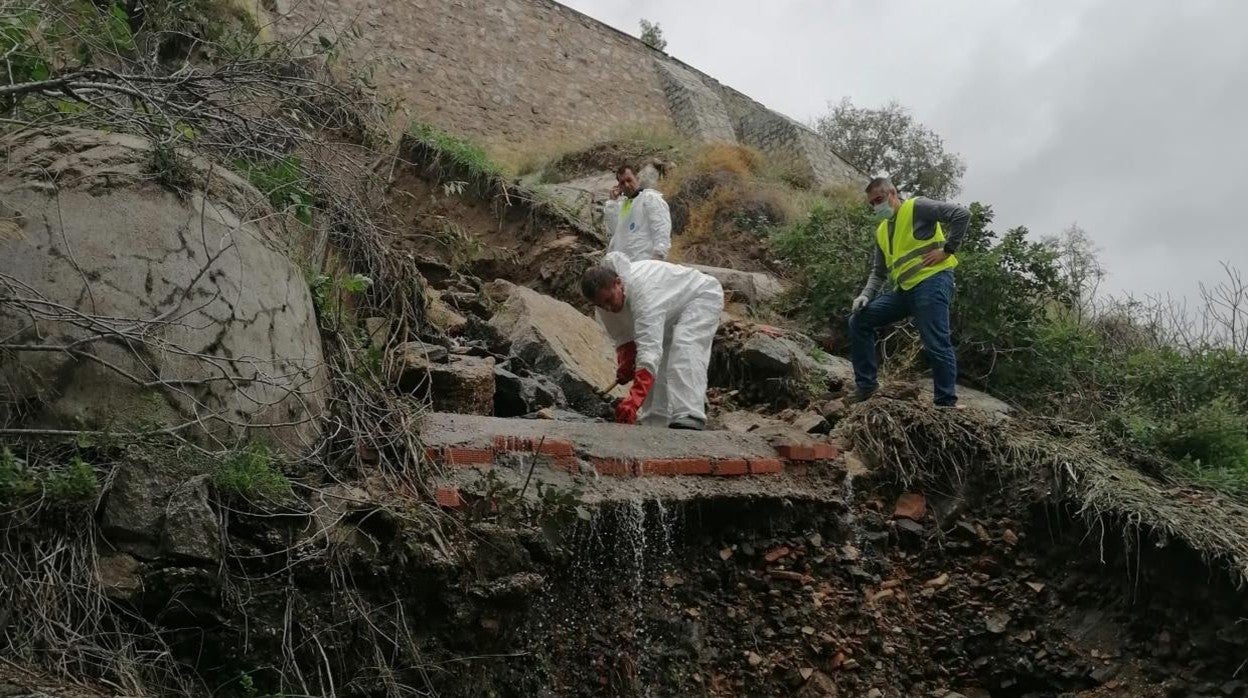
520 74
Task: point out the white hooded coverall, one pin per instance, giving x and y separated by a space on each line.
640 227
672 313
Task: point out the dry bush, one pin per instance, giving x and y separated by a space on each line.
725 203
567 158
1033 459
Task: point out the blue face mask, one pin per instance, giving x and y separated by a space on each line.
882 211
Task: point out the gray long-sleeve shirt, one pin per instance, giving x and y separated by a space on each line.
954 221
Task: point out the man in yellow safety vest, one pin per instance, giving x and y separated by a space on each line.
915 245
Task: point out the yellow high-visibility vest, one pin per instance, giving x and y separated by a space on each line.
903 254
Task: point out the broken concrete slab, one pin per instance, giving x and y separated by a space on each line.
555 339
411 362
743 421
592 490
605 441
811 423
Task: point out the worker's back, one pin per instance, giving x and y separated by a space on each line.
653 289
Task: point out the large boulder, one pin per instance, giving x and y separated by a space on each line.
125 303
555 339
750 287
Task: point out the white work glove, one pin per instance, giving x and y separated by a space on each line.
859 303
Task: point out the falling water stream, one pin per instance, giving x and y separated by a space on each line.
617 553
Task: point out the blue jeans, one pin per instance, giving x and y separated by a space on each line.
928 303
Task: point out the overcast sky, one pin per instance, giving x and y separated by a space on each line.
1124 116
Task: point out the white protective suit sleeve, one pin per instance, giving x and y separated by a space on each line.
611 220
659 221
649 325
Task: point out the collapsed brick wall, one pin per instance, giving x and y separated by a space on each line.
526 75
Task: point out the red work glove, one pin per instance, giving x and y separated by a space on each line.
625 362
626 411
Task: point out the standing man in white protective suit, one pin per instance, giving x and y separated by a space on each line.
662 319
637 219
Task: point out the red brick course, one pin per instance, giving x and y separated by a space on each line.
796 451
808 452
827 452
675 466
468 457
613 466
449 497
766 466
731 466
547 447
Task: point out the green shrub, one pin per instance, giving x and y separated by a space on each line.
72 486
23 59
830 251
16 482
251 473
75 485
284 183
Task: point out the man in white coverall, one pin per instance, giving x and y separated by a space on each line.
638 221
662 319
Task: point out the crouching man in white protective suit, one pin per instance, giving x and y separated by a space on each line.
662 318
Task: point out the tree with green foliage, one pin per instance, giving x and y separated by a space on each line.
888 141
652 35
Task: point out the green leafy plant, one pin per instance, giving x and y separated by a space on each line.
251 473
16 482
75 485
23 58
652 35
284 183
71 486
330 295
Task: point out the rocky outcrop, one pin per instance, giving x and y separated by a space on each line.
553 338
449 382
516 395
749 287
133 302
153 511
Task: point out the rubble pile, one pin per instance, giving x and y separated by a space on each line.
897 600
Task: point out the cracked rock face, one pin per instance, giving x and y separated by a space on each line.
125 304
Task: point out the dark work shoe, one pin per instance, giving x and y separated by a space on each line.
687 423
860 396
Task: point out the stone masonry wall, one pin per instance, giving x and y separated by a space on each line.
528 75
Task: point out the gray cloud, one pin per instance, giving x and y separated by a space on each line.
1126 117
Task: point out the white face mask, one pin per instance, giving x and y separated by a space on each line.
883 211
